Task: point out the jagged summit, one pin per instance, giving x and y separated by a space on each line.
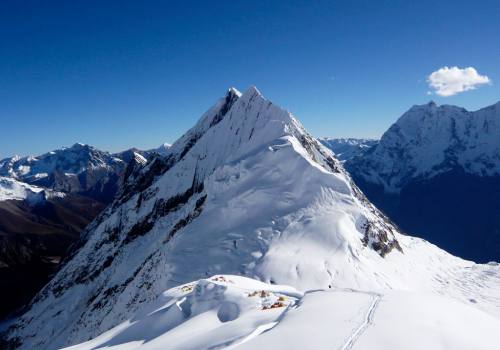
236 124
246 191
252 90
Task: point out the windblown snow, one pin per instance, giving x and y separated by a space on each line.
248 234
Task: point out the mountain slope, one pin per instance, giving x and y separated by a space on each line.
246 191
33 239
436 173
36 227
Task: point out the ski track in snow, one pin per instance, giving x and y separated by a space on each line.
351 340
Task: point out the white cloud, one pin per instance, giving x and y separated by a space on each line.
448 81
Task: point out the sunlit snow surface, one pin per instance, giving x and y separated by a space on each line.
275 207
234 312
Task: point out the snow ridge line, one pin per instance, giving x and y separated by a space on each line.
353 338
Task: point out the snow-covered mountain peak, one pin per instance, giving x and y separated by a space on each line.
251 92
237 121
210 118
429 110
246 191
429 140
233 90
239 124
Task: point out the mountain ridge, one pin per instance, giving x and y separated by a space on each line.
246 191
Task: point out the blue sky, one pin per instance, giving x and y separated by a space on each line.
139 73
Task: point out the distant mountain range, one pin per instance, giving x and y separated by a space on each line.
436 173
78 169
45 203
347 148
249 234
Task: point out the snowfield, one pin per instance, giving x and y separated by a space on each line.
299 257
234 312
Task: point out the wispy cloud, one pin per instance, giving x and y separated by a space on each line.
449 81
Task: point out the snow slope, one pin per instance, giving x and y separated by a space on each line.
219 311
247 191
233 312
